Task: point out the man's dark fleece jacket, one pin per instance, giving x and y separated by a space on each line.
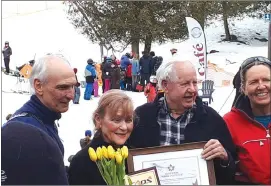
41 117
206 124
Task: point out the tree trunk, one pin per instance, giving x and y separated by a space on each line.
225 20
135 46
148 41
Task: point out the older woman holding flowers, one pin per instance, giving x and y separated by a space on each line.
113 121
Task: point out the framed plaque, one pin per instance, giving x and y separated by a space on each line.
175 164
147 176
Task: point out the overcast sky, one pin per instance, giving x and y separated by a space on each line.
12 8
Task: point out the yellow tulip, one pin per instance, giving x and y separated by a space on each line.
118 157
92 154
124 152
105 154
110 152
99 153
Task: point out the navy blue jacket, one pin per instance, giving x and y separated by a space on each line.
45 120
205 125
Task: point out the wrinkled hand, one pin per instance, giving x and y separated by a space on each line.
214 149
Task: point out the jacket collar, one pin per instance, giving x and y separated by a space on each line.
43 112
243 104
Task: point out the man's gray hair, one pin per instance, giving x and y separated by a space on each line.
39 70
167 72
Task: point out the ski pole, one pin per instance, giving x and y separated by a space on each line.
226 100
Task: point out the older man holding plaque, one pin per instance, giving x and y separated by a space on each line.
178 116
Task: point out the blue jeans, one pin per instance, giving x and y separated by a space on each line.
122 84
76 95
88 91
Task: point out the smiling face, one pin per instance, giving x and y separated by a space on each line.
114 117
58 90
257 85
116 129
182 91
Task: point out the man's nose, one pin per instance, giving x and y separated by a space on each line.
70 93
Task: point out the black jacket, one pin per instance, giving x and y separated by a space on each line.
82 170
205 125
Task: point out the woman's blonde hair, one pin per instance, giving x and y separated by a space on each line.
111 102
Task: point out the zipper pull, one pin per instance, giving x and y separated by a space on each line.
267 135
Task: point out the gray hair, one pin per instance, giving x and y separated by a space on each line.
167 72
39 70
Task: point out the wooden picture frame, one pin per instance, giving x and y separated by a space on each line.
189 150
140 176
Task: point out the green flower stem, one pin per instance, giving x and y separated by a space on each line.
106 173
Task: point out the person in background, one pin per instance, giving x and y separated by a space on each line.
150 90
103 73
125 61
128 78
135 72
115 76
145 68
113 120
249 122
86 140
107 68
178 116
29 156
77 92
90 75
7 52
52 80
122 79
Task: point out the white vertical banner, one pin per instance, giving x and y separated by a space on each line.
197 39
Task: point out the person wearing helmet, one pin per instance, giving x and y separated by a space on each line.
90 75
7 52
150 90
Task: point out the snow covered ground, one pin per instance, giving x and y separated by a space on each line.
55 34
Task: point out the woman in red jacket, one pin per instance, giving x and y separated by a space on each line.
249 123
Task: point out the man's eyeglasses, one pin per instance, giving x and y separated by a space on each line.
252 60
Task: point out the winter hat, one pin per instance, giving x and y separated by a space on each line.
30 157
90 61
88 133
6 42
75 70
108 59
153 79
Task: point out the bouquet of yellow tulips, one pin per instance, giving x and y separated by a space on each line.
111 164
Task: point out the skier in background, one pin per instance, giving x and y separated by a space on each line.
90 75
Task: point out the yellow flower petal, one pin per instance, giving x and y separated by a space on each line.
118 158
110 152
92 154
105 154
99 153
124 152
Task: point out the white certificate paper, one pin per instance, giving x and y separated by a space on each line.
176 168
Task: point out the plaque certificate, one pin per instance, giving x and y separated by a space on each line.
175 165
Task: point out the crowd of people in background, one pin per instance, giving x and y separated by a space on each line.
238 143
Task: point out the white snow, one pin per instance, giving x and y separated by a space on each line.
49 31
